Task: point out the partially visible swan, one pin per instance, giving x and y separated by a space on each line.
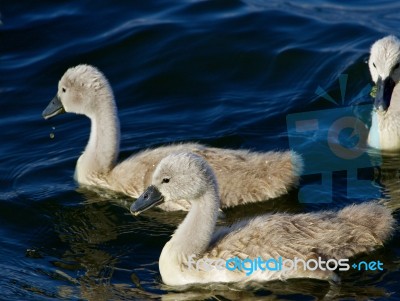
326 235
384 66
243 176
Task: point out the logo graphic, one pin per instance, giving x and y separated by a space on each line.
259 264
334 140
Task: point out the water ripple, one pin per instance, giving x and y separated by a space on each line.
224 73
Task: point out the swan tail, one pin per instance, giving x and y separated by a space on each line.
360 228
376 219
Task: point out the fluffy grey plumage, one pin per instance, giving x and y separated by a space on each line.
329 235
243 176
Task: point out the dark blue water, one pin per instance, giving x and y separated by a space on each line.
223 73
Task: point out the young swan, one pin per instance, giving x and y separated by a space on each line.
243 176
312 236
384 66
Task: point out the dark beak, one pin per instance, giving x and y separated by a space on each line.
384 93
54 108
150 198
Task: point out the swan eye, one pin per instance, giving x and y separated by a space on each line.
396 66
373 64
165 180
63 89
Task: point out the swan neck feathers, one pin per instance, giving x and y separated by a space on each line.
104 140
191 178
194 234
93 97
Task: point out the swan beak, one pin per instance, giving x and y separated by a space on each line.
150 198
384 93
54 108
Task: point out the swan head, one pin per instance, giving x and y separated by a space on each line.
384 66
178 176
79 91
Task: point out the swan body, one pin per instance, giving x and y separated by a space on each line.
311 236
384 66
243 176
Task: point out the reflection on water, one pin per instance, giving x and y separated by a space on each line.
92 253
389 179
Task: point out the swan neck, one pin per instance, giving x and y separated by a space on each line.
193 236
101 152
